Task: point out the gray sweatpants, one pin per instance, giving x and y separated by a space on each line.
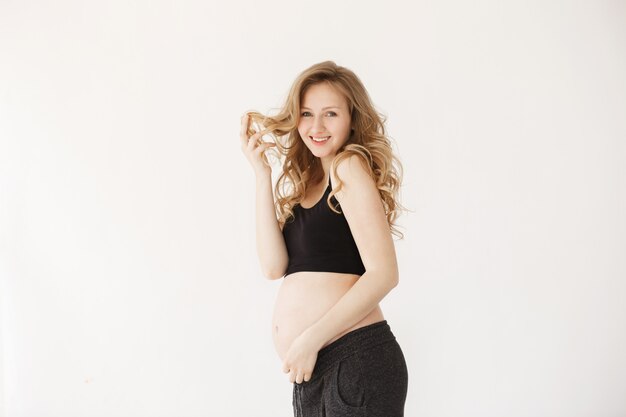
363 373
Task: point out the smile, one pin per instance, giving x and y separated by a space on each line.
320 139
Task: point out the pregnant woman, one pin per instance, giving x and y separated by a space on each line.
329 236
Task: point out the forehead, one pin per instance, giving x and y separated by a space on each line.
322 95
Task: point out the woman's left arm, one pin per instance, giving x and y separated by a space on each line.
365 214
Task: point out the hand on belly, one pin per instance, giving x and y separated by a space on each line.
300 358
303 298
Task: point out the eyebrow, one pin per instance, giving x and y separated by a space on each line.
329 107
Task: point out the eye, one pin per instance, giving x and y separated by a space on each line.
330 112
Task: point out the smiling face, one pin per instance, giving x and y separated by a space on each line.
325 115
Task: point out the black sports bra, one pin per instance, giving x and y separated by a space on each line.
318 239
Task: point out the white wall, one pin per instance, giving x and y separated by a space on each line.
130 284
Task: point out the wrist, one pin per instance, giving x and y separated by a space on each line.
315 333
263 177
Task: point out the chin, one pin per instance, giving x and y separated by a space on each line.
321 152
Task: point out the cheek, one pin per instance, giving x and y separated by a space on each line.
302 128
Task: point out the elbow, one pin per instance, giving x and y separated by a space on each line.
388 279
275 268
272 275
275 272
269 274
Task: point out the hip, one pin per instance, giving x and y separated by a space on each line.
362 373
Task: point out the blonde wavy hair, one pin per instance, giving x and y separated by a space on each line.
300 167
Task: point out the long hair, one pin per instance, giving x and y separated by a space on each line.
368 140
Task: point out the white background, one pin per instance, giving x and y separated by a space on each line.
129 279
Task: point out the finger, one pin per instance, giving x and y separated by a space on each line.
299 377
307 377
285 368
262 147
243 132
253 140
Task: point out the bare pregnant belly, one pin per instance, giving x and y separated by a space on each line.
303 298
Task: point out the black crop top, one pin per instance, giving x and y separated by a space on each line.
318 239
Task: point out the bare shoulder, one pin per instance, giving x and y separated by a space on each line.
354 175
364 211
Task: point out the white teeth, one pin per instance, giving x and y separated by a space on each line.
320 139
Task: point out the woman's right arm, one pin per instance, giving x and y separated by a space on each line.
270 243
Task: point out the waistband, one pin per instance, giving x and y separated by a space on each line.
350 343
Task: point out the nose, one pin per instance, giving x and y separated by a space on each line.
318 125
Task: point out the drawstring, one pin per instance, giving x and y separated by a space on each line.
300 398
297 395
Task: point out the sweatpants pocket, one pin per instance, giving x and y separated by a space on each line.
349 386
